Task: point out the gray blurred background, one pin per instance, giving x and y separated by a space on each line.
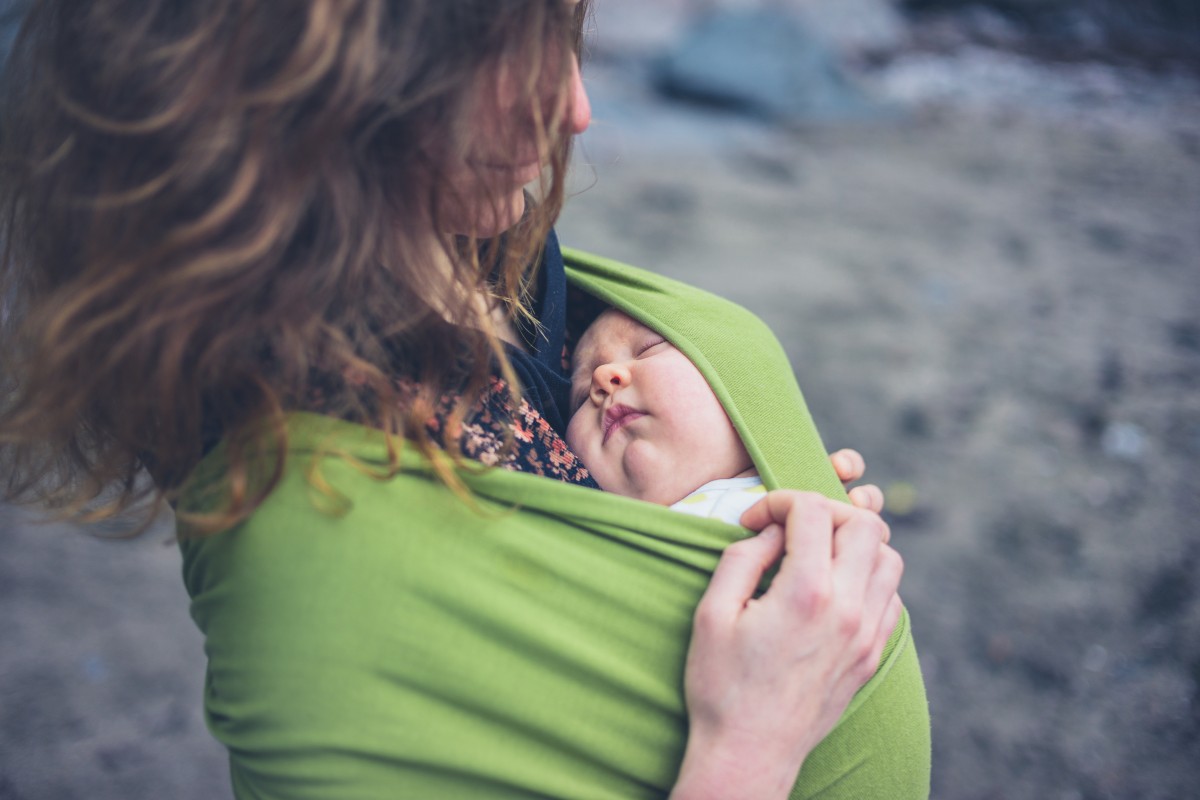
976 229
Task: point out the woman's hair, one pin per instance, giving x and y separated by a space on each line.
213 213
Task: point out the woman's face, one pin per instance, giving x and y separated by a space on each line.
507 152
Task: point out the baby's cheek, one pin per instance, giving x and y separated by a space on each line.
574 435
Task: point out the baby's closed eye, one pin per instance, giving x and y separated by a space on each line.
650 343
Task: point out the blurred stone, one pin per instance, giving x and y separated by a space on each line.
11 14
95 669
1045 674
1112 374
1016 248
914 422
1097 490
1148 30
636 27
762 62
854 25
999 648
1095 658
989 26
937 292
1124 440
1107 238
1169 592
1185 336
901 498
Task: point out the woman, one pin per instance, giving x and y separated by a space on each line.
279 255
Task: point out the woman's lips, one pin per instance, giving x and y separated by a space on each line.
617 417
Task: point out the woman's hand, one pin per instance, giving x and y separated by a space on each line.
850 466
768 677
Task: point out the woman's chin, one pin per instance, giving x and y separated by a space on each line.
492 219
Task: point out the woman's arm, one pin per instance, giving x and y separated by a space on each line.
768 677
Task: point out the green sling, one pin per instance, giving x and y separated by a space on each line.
533 646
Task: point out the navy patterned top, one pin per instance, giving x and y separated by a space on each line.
544 372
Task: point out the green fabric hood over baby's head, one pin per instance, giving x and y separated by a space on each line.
531 646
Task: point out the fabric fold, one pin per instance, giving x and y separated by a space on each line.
530 646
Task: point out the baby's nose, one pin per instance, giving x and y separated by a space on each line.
607 378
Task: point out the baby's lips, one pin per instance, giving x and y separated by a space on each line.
616 416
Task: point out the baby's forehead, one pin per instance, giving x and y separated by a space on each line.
611 327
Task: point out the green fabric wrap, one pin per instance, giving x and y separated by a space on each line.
532 646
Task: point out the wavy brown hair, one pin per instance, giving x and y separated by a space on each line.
214 213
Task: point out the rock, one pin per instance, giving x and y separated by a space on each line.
1095 659
636 27
1155 31
762 62
1125 441
853 26
1185 336
914 422
902 498
11 14
1169 592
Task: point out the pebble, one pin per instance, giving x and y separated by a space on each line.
980 78
901 498
1096 658
1124 440
762 62
95 669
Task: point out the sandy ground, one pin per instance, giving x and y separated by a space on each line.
995 299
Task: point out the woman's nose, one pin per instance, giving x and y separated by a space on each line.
607 378
579 115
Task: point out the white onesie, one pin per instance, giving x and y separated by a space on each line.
725 499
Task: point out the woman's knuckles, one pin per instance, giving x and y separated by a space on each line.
850 621
709 619
811 598
890 566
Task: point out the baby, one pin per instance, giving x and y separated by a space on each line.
647 425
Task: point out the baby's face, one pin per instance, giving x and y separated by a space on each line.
646 423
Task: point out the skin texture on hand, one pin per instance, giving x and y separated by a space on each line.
768 677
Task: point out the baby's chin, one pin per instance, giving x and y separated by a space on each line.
663 491
666 493
650 491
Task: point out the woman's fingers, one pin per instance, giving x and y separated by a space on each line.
879 590
848 464
887 624
807 521
766 680
857 552
777 506
739 573
844 513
